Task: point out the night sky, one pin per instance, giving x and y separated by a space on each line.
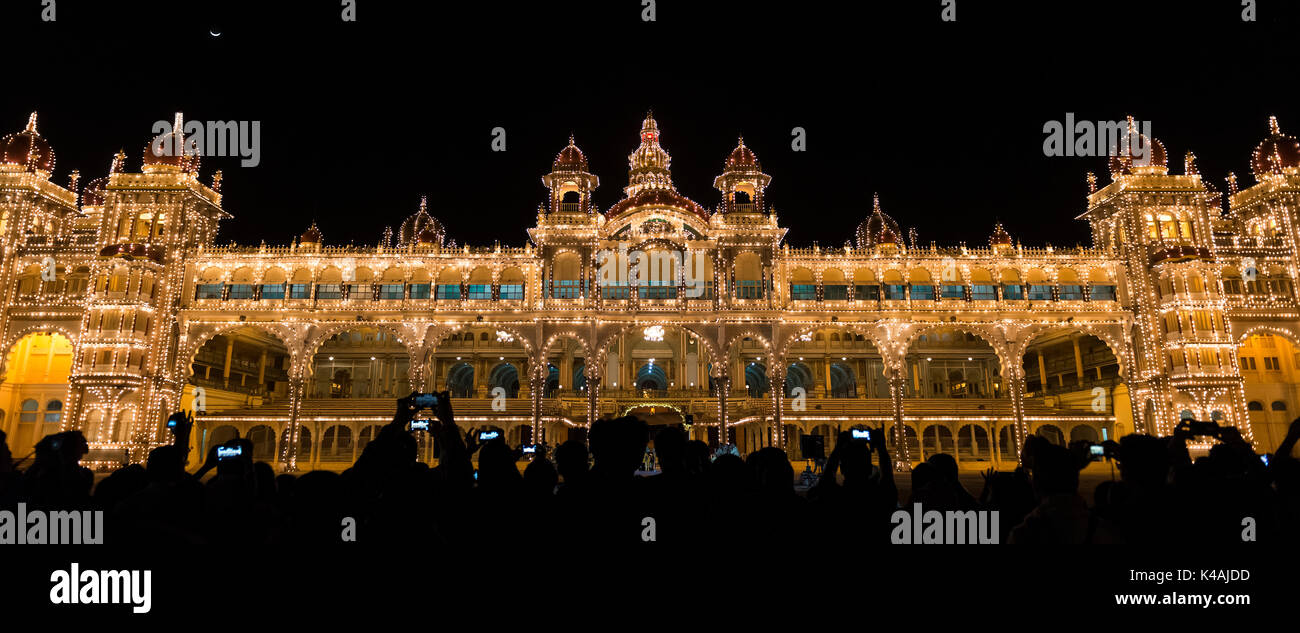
944 120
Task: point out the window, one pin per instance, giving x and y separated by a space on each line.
1255 405
391 291
610 291
1278 405
329 291
749 289
835 293
419 291
1013 291
448 291
359 292
571 289
54 411
983 293
1071 293
803 292
510 292
241 291
1040 293
895 292
1271 363
299 291
208 291
272 291
869 293
953 292
1232 286
28 413
1103 293
1248 362
922 292
480 291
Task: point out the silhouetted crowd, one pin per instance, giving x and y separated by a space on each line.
1159 495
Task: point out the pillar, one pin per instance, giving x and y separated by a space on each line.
777 435
289 452
1016 390
230 351
593 394
261 369
1042 372
897 385
1078 361
723 383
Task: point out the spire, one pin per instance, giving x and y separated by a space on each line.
648 165
424 204
1189 164
1272 125
31 123
119 160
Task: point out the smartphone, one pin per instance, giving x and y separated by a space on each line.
1203 428
419 425
171 423
226 452
1264 458
426 400
861 434
530 448
484 436
1097 452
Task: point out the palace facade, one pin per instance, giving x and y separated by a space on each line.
119 308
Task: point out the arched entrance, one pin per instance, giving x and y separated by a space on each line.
34 389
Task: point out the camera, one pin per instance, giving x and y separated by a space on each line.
1264 458
419 425
861 434
227 452
484 436
426 400
1097 452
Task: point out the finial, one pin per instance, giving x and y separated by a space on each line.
740 139
216 181
571 139
1189 164
875 202
1232 183
178 126
119 161
73 178
424 202
1272 124
31 123
1092 182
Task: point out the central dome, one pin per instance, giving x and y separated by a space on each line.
879 224
649 181
421 227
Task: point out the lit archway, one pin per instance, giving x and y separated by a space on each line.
35 386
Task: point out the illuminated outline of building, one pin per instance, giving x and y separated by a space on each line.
1150 317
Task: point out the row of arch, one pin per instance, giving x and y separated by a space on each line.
453 274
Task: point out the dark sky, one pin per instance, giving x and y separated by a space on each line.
360 119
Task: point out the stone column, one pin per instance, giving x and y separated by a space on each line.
1078 361
897 387
289 452
723 384
230 351
777 373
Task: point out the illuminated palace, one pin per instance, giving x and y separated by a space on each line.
119 309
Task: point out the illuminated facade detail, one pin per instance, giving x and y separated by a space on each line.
656 306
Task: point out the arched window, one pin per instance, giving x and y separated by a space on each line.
1255 405
29 408
1278 405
